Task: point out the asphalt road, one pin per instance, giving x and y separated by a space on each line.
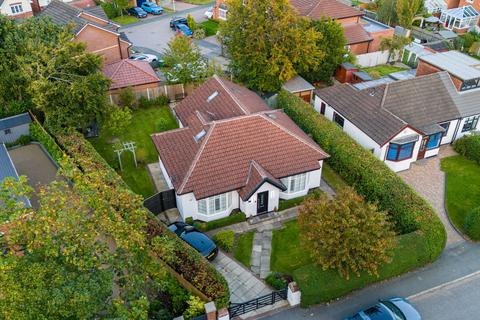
435 290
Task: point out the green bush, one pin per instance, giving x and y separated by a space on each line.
21 141
225 239
276 280
189 221
472 224
39 134
110 10
162 100
235 217
469 147
127 98
371 177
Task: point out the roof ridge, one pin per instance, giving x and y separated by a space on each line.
220 81
390 112
314 7
195 160
132 63
266 117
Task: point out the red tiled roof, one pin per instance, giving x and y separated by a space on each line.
129 73
317 9
228 100
255 178
355 33
221 160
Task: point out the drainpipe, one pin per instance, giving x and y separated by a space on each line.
456 130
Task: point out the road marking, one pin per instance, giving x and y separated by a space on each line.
443 285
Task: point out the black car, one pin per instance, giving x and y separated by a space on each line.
177 20
137 12
195 238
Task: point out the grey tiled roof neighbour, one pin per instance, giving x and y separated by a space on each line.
62 13
96 11
14 121
467 102
363 109
421 101
7 169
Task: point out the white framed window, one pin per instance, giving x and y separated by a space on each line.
295 183
215 204
16 8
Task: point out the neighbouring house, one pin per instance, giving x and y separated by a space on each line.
458 15
363 34
300 87
463 69
12 128
402 121
16 9
232 152
7 169
138 75
92 27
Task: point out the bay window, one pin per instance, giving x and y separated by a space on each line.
295 183
434 141
215 204
399 152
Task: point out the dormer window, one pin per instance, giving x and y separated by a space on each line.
200 135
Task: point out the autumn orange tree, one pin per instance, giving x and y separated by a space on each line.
346 233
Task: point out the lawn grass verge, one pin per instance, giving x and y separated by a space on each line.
144 122
125 20
462 187
243 250
210 27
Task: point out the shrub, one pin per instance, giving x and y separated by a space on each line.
143 102
127 98
235 217
469 147
189 221
21 141
39 134
195 308
276 280
472 224
371 177
191 23
199 34
110 10
225 239
162 100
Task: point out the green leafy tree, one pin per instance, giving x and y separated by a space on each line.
127 97
118 119
185 62
41 68
268 43
192 24
387 11
333 44
406 11
394 45
346 233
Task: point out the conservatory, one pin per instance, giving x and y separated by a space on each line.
460 19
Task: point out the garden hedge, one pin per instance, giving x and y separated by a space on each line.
472 224
371 178
469 146
235 217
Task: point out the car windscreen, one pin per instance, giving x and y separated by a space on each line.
398 313
378 312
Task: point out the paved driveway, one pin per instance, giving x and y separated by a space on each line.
426 177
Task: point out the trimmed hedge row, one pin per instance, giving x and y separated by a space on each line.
472 224
370 177
38 133
469 147
235 217
176 253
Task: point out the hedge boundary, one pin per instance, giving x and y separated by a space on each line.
469 147
187 264
371 178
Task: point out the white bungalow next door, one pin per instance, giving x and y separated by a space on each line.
262 202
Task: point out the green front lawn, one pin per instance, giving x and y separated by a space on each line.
462 187
317 285
382 70
243 250
210 27
124 20
144 123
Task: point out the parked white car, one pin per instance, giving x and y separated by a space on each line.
209 13
143 57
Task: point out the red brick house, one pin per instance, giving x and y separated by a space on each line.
363 35
92 27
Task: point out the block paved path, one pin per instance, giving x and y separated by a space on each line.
261 251
426 177
243 285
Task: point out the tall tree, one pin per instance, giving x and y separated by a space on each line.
41 68
345 233
387 11
406 11
268 43
333 44
393 45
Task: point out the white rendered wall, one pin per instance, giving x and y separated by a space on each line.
448 136
250 206
312 181
187 205
165 174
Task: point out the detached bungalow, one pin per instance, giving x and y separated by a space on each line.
403 121
233 152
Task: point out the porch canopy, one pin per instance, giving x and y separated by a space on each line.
460 18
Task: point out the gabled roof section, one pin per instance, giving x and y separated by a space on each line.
356 33
257 176
127 73
221 160
63 13
14 121
316 9
218 99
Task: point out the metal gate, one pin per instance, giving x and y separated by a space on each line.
237 309
161 201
